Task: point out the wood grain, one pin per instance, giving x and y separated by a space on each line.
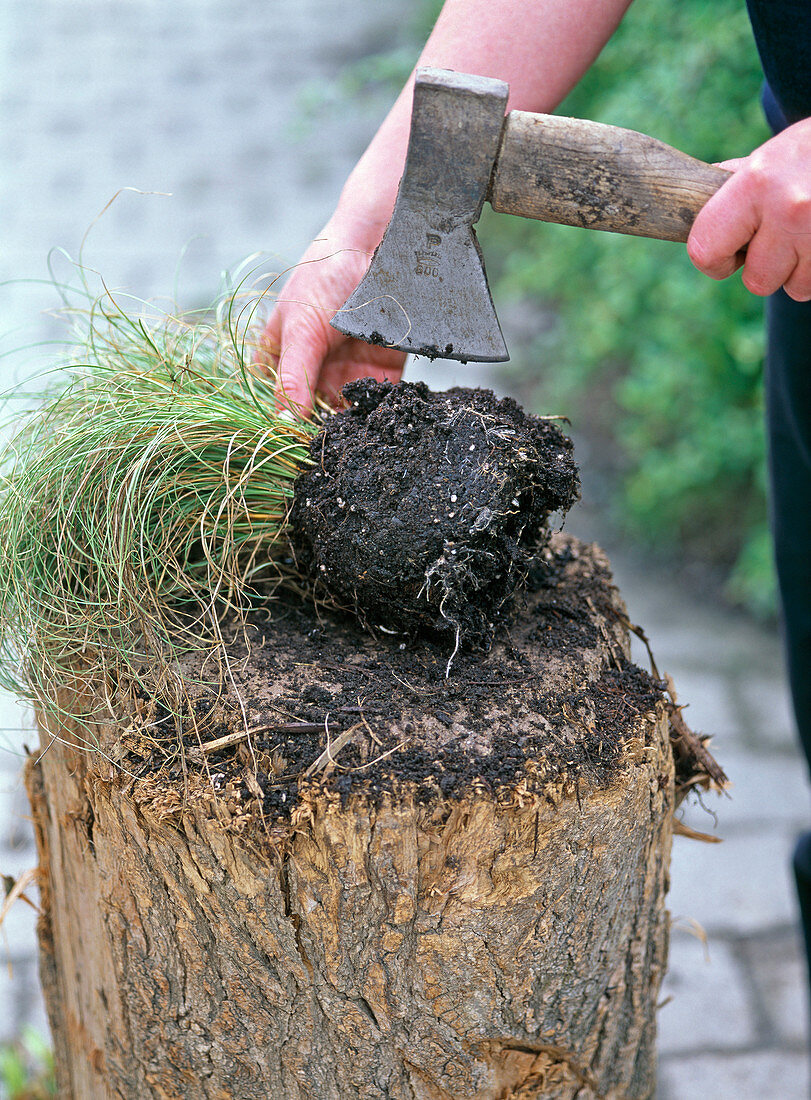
575 172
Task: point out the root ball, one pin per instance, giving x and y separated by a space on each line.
424 510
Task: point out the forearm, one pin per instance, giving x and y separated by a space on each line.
541 48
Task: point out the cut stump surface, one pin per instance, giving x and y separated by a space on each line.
398 885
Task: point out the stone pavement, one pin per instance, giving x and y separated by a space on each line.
203 99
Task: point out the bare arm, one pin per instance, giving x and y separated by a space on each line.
541 49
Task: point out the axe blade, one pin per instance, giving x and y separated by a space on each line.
426 288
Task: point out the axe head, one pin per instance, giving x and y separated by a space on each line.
426 289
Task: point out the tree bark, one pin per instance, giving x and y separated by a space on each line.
487 945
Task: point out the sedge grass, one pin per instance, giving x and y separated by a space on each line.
141 500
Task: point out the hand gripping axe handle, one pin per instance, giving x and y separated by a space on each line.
426 288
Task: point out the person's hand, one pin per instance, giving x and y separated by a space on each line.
310 357
761 218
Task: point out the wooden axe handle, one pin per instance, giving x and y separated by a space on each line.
574 172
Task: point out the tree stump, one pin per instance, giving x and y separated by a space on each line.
400 884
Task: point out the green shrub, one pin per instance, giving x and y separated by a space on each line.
26 1068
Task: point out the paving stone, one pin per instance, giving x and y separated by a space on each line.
9 1028
740 886
685 632
17 847
778 970
765 790
15 862
765 705
150 104
16 724
18 932
698 979
766 1075
708 702
21 1003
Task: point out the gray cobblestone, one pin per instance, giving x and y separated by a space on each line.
775 965
765 790
695 974
765 710
708 699
740 886
759 1075
21 1004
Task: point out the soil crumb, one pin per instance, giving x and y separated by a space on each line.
423 511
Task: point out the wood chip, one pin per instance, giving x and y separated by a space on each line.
327 757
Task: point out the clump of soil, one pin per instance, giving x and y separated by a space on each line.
423 511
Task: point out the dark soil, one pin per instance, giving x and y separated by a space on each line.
556 699
423 511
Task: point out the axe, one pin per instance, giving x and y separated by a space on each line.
426 289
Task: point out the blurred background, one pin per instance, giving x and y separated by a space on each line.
153 148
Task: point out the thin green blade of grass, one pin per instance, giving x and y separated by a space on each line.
144 498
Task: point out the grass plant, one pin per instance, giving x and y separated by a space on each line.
141 499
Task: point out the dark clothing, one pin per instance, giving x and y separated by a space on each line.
782 30
788 423
772 110
783 37
802 878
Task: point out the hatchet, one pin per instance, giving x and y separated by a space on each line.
426 288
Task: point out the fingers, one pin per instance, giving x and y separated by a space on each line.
297 376
296 342
732 231
355 359
724 239
266 358
771 260
290 354
798 284
722 231
764 209
300 349
312 363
